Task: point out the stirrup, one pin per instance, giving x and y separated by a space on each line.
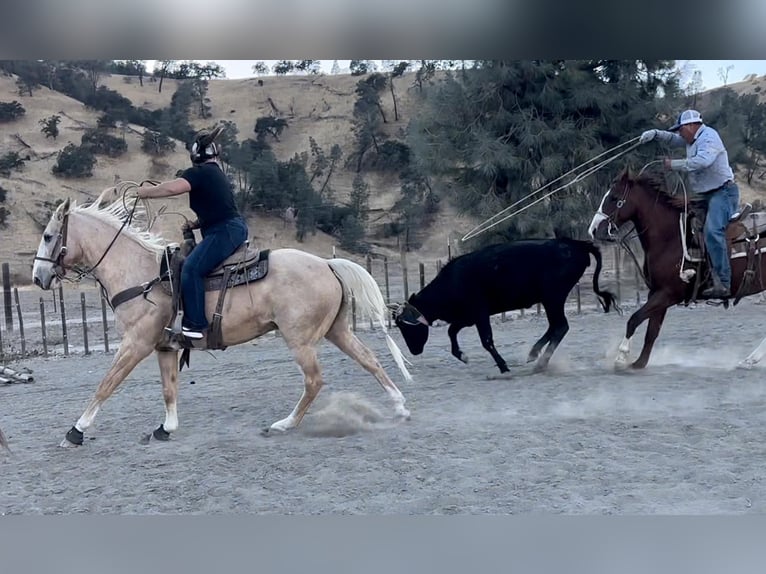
192 334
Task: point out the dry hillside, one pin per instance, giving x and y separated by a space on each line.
320 107
316 106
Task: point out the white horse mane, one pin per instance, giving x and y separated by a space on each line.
116 213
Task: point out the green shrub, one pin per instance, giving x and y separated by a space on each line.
102 143
75 161
10 161
10 111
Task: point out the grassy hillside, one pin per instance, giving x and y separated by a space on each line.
314 106
320 107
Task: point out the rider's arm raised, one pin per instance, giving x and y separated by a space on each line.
669 138
165 189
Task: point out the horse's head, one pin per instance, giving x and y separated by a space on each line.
53 255
412 325
618 206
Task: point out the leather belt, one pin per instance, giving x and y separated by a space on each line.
719 188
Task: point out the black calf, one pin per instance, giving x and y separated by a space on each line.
515 275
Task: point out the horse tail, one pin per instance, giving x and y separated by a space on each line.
369 301
605 298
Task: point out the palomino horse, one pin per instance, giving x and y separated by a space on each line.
304 296
644 201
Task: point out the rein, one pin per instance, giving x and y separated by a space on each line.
622 242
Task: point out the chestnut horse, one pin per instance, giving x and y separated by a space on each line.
304 296
644 201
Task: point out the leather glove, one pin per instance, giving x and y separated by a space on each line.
190 225
647 136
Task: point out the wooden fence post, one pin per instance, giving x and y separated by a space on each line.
405 281
579 304
42 325
422 271
617 271
63 320
388 286
368 261
7 297
106 325
84 323
21 323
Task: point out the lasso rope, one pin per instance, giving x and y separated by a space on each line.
504 215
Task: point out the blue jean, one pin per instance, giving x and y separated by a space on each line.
722 204
218 242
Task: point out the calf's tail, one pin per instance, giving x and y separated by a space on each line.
605 298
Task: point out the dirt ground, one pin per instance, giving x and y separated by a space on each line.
685 436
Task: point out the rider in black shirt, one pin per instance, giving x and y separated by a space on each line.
223 228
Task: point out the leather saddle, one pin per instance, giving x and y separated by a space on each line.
744 225
244 266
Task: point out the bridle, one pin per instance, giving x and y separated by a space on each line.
59 269
613 230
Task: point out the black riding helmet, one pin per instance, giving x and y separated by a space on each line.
204 147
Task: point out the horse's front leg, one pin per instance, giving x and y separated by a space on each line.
657 300
168 361
753 358
130 353
655 323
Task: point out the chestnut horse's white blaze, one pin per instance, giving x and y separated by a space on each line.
598 217
304 296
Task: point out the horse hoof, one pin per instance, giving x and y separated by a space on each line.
73 438
161 434
272 430
745 365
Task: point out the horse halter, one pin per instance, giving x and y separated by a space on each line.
407 314
59 269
